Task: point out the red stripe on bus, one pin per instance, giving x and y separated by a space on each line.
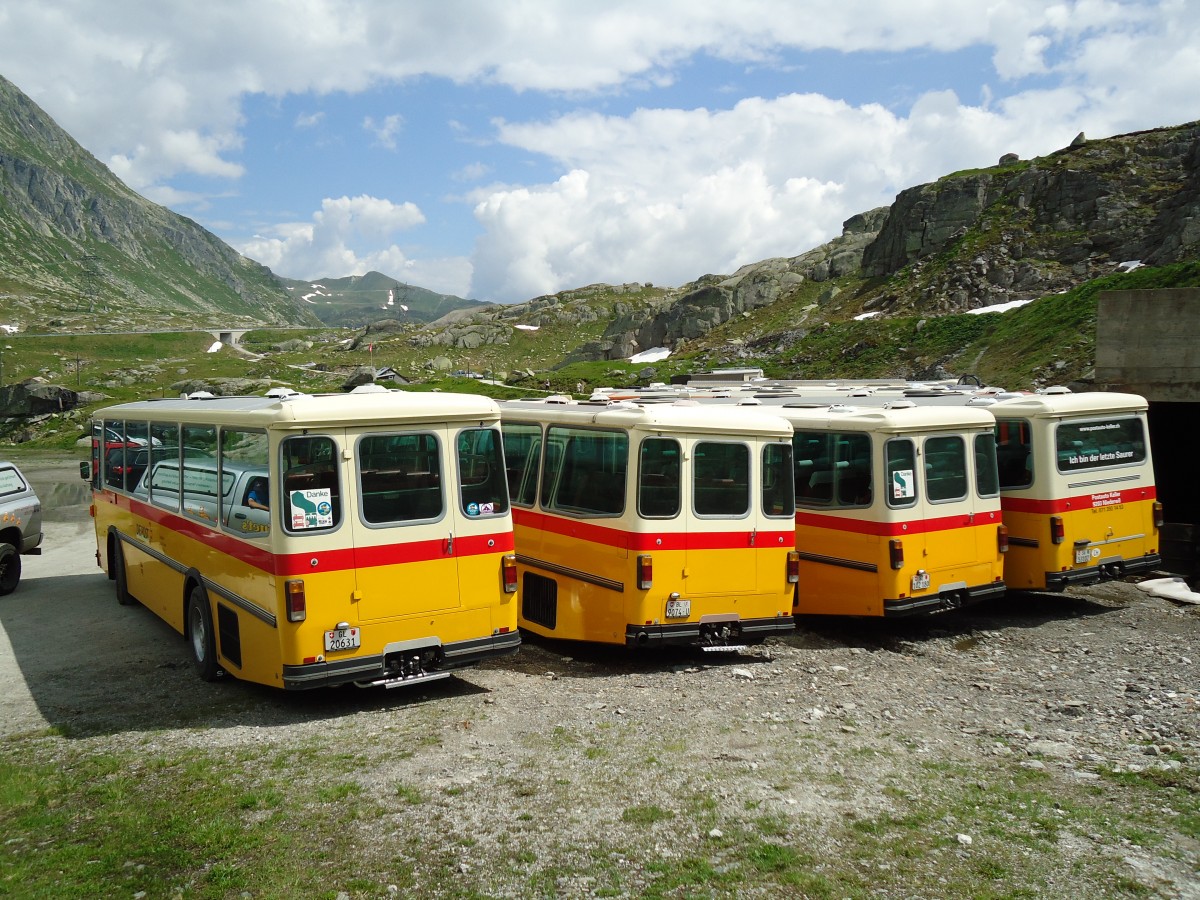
1097 500
292 564
647 542
896 529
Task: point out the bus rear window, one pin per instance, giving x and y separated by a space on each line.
721 479
400 478
1082 446
945 469
311 490
658 478
481 474
779 484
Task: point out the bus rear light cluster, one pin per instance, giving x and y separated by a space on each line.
645 572
508 567
793 566
896 553
1058 533
1002 538
297 606
1158 514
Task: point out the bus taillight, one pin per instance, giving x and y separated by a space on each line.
508 566
896 553
645 572
297 609
1058 534
793 566
1002 538
1158 514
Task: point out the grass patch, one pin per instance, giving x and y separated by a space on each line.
646 815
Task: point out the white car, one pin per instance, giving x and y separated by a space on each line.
20 525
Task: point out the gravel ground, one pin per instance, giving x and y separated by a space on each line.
1041 745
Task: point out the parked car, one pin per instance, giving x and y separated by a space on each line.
20 525
125 464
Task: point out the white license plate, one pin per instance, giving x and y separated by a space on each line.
679 609
342 639
920 581
1082 555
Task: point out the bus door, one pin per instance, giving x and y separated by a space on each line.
723 521
960 497
405 527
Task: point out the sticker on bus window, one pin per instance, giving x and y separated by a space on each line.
902 485
311 508
480 509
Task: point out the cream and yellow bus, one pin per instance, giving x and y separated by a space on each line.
1076 475
312 540
1077 486
651 526
898 509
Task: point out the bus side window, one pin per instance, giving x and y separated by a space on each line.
311 490
522 448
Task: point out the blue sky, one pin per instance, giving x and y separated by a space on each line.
504 150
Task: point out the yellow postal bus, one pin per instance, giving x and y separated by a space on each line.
649 526
1077 482
897 509
312 540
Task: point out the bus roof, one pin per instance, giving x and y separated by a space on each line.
1069 405
900 418
656 417
307 410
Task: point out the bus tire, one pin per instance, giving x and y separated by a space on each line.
116 562
10 569
200 630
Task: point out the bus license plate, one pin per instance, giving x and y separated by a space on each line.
344 639
1082 555
679 609
920 581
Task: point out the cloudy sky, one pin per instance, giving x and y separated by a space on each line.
503 149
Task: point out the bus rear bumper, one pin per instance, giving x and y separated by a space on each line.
1106 570
381 670
738 633
945 600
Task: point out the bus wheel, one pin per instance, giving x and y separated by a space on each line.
116 561
10 569
204 646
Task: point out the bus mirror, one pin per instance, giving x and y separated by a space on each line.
85 471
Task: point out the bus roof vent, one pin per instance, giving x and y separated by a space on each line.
369 388
982 401
842 408
899 404
1056 389
750 401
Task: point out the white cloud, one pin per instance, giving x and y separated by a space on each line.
332 245
156 91
385 131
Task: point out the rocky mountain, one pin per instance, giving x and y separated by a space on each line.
1019 230
360 300
80 250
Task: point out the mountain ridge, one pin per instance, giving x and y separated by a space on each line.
81 247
